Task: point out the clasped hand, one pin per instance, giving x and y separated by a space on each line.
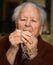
25 38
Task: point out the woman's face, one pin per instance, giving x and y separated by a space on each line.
29 20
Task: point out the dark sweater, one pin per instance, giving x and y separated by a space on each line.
44 57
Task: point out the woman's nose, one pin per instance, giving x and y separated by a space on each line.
27 23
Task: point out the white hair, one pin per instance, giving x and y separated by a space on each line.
19 8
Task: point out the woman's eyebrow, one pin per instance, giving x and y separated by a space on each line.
24 16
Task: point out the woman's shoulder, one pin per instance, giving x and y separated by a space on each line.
47 45
44 44
4 41
4 38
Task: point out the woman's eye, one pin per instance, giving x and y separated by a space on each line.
33 20
23 19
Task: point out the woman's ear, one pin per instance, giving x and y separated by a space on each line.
41 29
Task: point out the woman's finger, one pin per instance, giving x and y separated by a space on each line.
27 33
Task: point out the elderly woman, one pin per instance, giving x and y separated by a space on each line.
24 46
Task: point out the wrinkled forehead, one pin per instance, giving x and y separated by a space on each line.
31 11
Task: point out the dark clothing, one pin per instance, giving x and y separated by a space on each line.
44 57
